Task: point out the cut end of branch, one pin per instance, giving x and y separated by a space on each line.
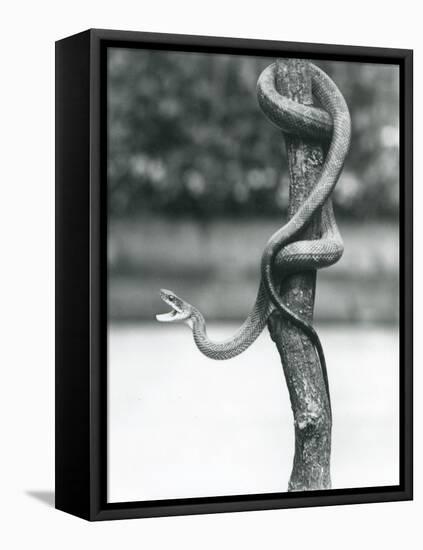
293 80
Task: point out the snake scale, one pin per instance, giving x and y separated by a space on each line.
285 252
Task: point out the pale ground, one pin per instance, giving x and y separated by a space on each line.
182 425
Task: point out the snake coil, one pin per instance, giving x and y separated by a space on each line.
285 252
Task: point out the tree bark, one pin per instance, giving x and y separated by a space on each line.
301 366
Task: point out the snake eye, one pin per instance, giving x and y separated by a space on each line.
171 298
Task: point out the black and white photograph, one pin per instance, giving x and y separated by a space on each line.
210 254
253 266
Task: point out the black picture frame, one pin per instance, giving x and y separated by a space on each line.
81 275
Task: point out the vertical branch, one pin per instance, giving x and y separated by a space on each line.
312 419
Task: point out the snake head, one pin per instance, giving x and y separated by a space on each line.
181 310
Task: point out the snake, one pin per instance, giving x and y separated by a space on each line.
285 252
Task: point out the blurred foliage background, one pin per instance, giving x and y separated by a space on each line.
187 138
197 183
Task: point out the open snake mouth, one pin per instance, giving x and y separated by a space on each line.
177 313
167 317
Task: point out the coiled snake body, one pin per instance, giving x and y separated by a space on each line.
283 253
